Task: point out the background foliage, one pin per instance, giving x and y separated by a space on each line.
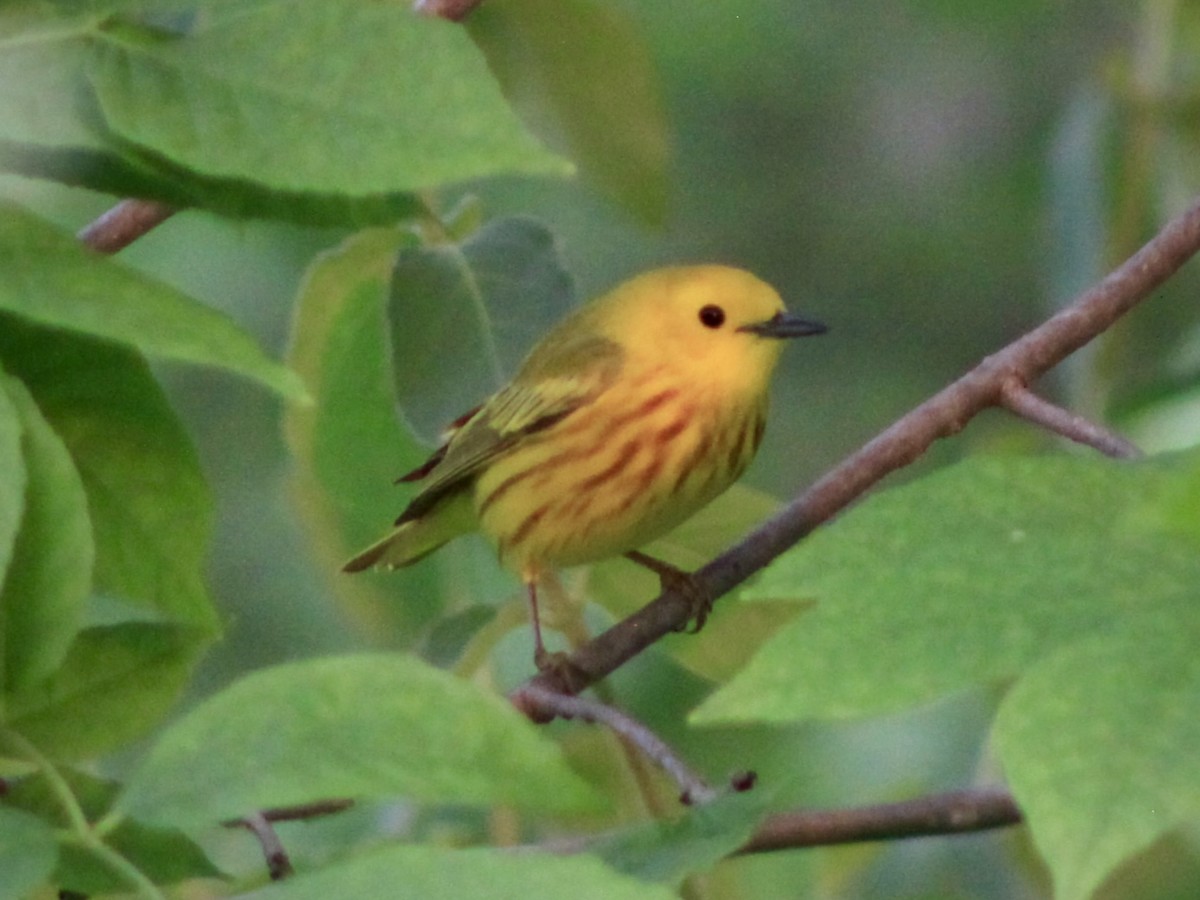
385 203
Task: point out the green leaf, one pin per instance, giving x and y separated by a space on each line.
165 856
440 873
49 124
54 280
1098 742
392 101
150 509
463 316
582 78
66 140
349 446
116 683
27 853
44 595
357 726
670 851
12 479
963 578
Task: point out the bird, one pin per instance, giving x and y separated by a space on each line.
626 418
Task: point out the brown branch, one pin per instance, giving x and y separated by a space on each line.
279 865
955 812
1018 399
944 414
541 704
123 224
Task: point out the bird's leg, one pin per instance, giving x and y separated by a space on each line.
675 579
541 658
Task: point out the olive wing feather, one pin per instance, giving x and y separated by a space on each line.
555 381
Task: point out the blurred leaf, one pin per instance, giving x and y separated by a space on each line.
12 479
735 630
116 683
27 853
163 855
49 123
384 726
1098 742
55 281
962 578
440 873
149 506
44 595
670 851
51 127
392 101
349 447
464 315
581 76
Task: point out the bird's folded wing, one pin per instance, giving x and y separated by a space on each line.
539 397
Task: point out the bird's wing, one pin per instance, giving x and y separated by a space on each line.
552 384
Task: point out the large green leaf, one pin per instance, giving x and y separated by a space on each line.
463 315
116 683
349 447
149 506
581 76
1098 743
49 124
42 599
356 726
328 96
54 280
51 127
966 577
441 873
27 853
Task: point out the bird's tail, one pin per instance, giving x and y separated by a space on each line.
412 541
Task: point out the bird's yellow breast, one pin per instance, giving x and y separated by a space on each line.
617 473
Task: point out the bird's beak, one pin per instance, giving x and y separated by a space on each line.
785 325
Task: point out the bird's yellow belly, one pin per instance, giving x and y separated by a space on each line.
613 476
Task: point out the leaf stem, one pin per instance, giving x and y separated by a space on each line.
79 829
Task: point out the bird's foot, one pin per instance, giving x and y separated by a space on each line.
558 666
677 581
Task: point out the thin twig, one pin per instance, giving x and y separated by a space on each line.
120 226
539 703
312 810
260 825
944 414
954 812
1018 399
278 864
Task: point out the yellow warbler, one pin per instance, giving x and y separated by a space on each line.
630 415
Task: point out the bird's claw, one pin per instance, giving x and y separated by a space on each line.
558 666
685 584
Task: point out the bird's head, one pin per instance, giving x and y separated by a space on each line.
718 324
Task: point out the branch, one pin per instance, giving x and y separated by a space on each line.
541 704
1018 399
944 414
261 825
955 812
123 224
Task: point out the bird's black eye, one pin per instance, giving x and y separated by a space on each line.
712 316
